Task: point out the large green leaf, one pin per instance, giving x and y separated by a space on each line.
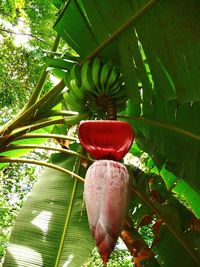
169 48
52 227
156 54
169 34
74 18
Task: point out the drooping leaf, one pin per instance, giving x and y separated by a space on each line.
182 191
174 236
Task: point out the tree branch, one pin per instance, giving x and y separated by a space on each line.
24 34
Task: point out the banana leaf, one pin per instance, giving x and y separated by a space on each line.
52 227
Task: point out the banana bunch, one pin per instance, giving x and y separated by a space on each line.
93 87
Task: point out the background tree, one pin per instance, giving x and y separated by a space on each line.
26 33
21 62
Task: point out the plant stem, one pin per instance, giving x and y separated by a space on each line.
43 135
21 119
30 146
62 113
41 163
111 110
39 86
107 105
28 128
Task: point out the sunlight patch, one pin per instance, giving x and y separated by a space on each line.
21 32
68 261
42 221
22 253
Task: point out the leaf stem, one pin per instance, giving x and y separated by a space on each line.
162 125
28 128
121 29
21 119
43 135
62 113
62 150
41 163
39 86
77 167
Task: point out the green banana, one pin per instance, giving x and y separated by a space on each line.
122 106
120 94
111 79
104 76
71 102
115 88
121 101
86 77
75 74
89 85
76 90
68 100
96 68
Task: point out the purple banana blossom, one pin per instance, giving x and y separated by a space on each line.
106 197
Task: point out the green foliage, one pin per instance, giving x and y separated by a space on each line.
58 3
41 14
20 66
153 198
19 72
37 14
119 257
10 8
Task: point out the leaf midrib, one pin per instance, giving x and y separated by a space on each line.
66 224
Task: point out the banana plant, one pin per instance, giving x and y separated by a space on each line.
137 63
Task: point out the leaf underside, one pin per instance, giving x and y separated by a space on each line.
55 203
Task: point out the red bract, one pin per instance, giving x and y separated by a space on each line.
106 139
106 197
